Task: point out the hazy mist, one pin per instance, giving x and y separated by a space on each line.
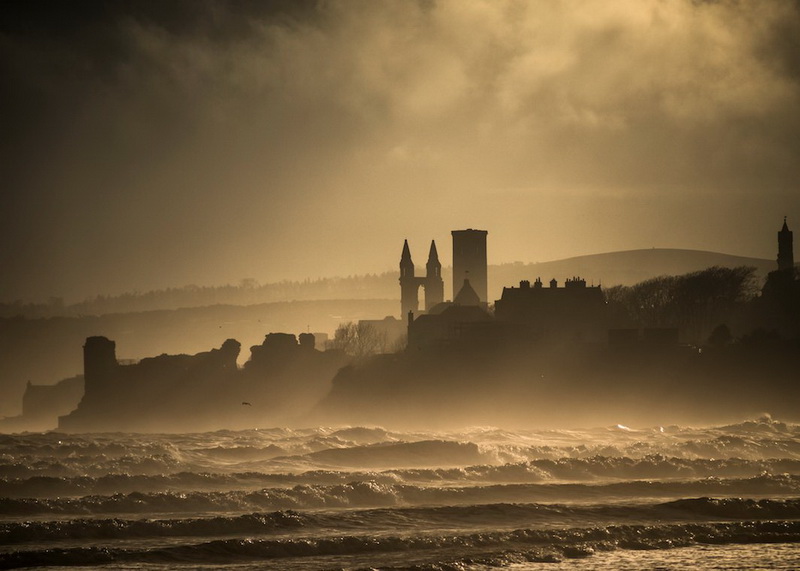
148 145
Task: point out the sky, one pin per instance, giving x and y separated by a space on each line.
147 145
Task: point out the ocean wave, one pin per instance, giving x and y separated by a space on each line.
363 494
739 508
596 469
572 542
392 519
288 450
420 453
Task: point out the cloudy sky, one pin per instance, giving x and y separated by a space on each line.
155 144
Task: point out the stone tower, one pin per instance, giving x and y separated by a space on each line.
434 285
469 261
785 248
408 283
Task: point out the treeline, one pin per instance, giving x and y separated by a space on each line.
611 268
698 303
247 292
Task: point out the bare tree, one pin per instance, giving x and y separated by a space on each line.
359 339
694 302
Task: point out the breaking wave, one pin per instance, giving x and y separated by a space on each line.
596 469
364 497
361 494
388 519
538 544
273 450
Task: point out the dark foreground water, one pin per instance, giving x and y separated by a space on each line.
725 497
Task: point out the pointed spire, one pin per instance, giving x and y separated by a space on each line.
406 255
785 248
406 265
433 268
433 255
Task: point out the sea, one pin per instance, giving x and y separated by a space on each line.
613 497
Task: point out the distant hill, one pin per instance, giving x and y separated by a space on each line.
621 268
614 268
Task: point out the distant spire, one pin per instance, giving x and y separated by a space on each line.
434 286
433 267
785 248
406 265
433 255
406 255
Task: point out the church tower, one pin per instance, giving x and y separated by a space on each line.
434 285
469 261
409 285
785 248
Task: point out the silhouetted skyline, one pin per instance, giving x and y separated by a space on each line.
151 145
713 325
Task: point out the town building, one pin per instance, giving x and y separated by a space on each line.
574 312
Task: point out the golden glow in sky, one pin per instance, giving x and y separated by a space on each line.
150 146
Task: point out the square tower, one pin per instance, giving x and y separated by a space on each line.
469 261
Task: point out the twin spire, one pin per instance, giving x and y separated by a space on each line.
409 285
406 255
433 266
406 265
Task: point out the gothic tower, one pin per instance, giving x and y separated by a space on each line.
434 285
409 285
469 261
785 248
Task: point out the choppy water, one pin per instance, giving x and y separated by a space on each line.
725 497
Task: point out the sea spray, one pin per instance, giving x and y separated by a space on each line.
362 497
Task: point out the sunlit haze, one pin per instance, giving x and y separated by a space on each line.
149 145
400 284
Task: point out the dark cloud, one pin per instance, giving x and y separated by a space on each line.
159 143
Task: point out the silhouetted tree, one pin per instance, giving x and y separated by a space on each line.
359 339
710 296
692 302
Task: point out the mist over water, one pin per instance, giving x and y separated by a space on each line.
368 497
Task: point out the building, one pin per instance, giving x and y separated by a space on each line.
409 284
206 391
780 296
469 261
464 322
575 312
785 248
